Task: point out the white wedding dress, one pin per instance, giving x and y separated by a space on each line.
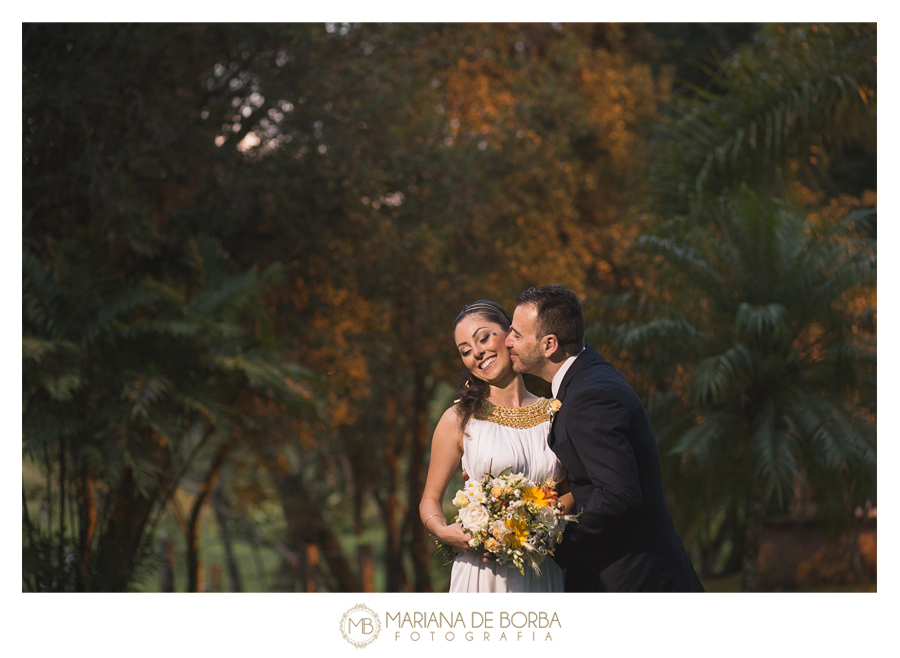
498 437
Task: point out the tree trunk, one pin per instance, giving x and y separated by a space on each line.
389 502
166 564
87 523
312 568
752 536
61 558
29 532
738 534
393 522
120 540
306 526
366 568
234 575
421 556
126 518
193 527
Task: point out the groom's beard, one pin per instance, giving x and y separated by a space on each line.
527 363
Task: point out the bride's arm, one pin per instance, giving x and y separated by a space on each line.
446 453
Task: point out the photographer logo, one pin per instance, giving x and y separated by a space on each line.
360 626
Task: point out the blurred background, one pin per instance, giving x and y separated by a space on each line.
243 248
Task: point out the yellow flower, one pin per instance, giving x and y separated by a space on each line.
518 532
491 545
536 496
496 491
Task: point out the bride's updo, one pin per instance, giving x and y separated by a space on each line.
471 391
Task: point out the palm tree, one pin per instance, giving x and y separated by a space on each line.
759 325
127 386
777 111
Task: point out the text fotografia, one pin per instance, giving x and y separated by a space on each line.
478 626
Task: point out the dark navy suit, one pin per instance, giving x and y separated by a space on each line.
625 540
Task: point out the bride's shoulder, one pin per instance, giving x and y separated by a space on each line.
450 418
452 413
448 430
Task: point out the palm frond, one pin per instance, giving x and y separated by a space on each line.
35 349
834 439
762 325
41 299
61 386
686 259
232 292
678 331
707 439
774 449
118 306
716 376
144 392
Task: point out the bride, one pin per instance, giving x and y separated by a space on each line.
495 423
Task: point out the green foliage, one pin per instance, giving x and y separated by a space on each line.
799 91
774 380
135 380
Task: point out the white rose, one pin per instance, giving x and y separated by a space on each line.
461 499
547 515
474 516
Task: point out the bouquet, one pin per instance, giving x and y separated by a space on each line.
512 519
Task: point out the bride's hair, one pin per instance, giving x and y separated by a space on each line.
471 391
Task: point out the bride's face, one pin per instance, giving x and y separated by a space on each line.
481 346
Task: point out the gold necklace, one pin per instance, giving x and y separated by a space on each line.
517 417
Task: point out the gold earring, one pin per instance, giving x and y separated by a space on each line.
467 384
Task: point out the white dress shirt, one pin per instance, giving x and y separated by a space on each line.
558 377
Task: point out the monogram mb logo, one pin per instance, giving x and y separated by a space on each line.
360 626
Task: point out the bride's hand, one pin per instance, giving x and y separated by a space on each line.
568 500
455 536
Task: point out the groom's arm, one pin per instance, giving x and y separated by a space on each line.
598 426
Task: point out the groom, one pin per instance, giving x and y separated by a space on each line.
625 540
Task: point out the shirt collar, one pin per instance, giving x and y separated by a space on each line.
564 368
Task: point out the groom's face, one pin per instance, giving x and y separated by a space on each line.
523 343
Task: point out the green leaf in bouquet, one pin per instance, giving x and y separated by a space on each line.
444 552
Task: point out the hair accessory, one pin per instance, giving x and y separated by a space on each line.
480 305
467 384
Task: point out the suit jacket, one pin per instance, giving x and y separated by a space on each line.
625 539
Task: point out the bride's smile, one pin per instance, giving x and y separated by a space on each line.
488 362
